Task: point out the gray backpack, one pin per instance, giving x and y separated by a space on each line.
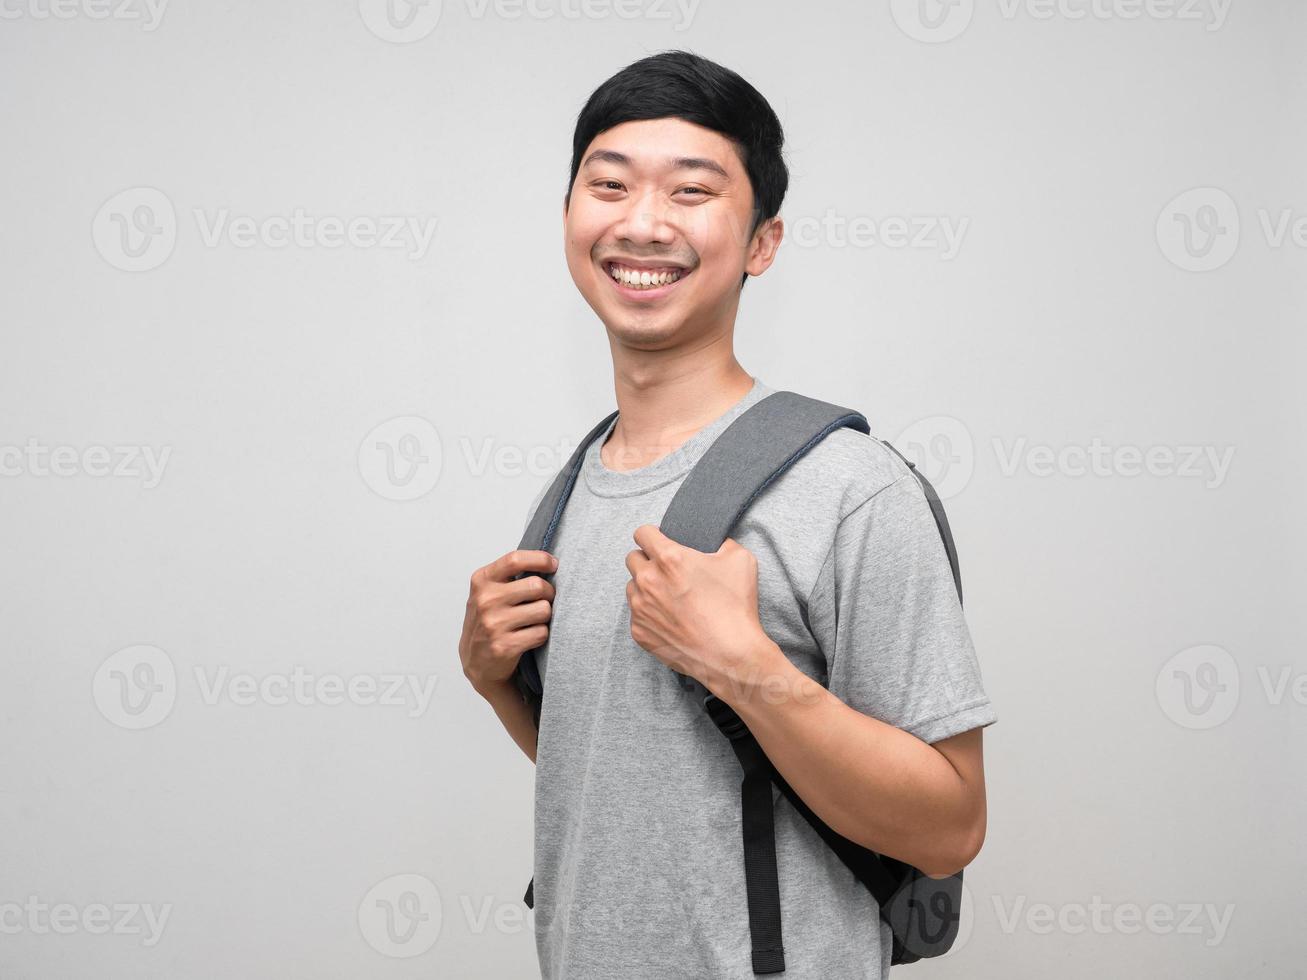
756 448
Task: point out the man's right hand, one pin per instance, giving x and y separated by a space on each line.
506 616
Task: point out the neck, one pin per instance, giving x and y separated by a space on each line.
662 403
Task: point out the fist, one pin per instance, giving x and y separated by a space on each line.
696 612
505 616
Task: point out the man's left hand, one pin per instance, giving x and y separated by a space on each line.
696 612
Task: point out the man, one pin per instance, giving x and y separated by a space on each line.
829 621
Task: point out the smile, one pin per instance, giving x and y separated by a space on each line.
631 279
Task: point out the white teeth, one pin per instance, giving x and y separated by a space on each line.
636 279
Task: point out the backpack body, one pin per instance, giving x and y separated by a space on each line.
759 446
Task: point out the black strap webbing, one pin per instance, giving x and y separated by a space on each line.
757 820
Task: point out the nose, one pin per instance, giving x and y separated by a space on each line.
647 220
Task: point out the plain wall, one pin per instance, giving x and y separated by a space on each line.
1110 407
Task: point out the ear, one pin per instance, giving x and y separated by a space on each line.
762 250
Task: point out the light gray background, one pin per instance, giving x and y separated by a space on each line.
1071 312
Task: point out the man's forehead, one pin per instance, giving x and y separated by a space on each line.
623 146
662 161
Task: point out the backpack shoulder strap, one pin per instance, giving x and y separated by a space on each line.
756 448
539 532
753 451
539 535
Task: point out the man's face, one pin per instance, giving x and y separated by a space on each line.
657 230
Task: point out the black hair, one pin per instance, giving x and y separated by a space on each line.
690 87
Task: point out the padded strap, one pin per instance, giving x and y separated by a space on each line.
538 536
756 448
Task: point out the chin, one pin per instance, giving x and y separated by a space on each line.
634 330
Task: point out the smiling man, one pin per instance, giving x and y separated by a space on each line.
828 621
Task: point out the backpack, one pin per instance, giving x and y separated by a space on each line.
757 447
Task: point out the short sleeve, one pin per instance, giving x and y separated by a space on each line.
886 613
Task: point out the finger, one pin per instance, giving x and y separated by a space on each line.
526 589
730 545
653 542
526 614
507 567
636 560
527 638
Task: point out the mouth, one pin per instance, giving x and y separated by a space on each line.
644 281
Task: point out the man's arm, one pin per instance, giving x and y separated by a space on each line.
887 751
515 715
875 784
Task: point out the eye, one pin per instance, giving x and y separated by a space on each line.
695 191
607 185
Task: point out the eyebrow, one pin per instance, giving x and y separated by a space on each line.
678 163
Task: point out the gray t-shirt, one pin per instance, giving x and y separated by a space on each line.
639 873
